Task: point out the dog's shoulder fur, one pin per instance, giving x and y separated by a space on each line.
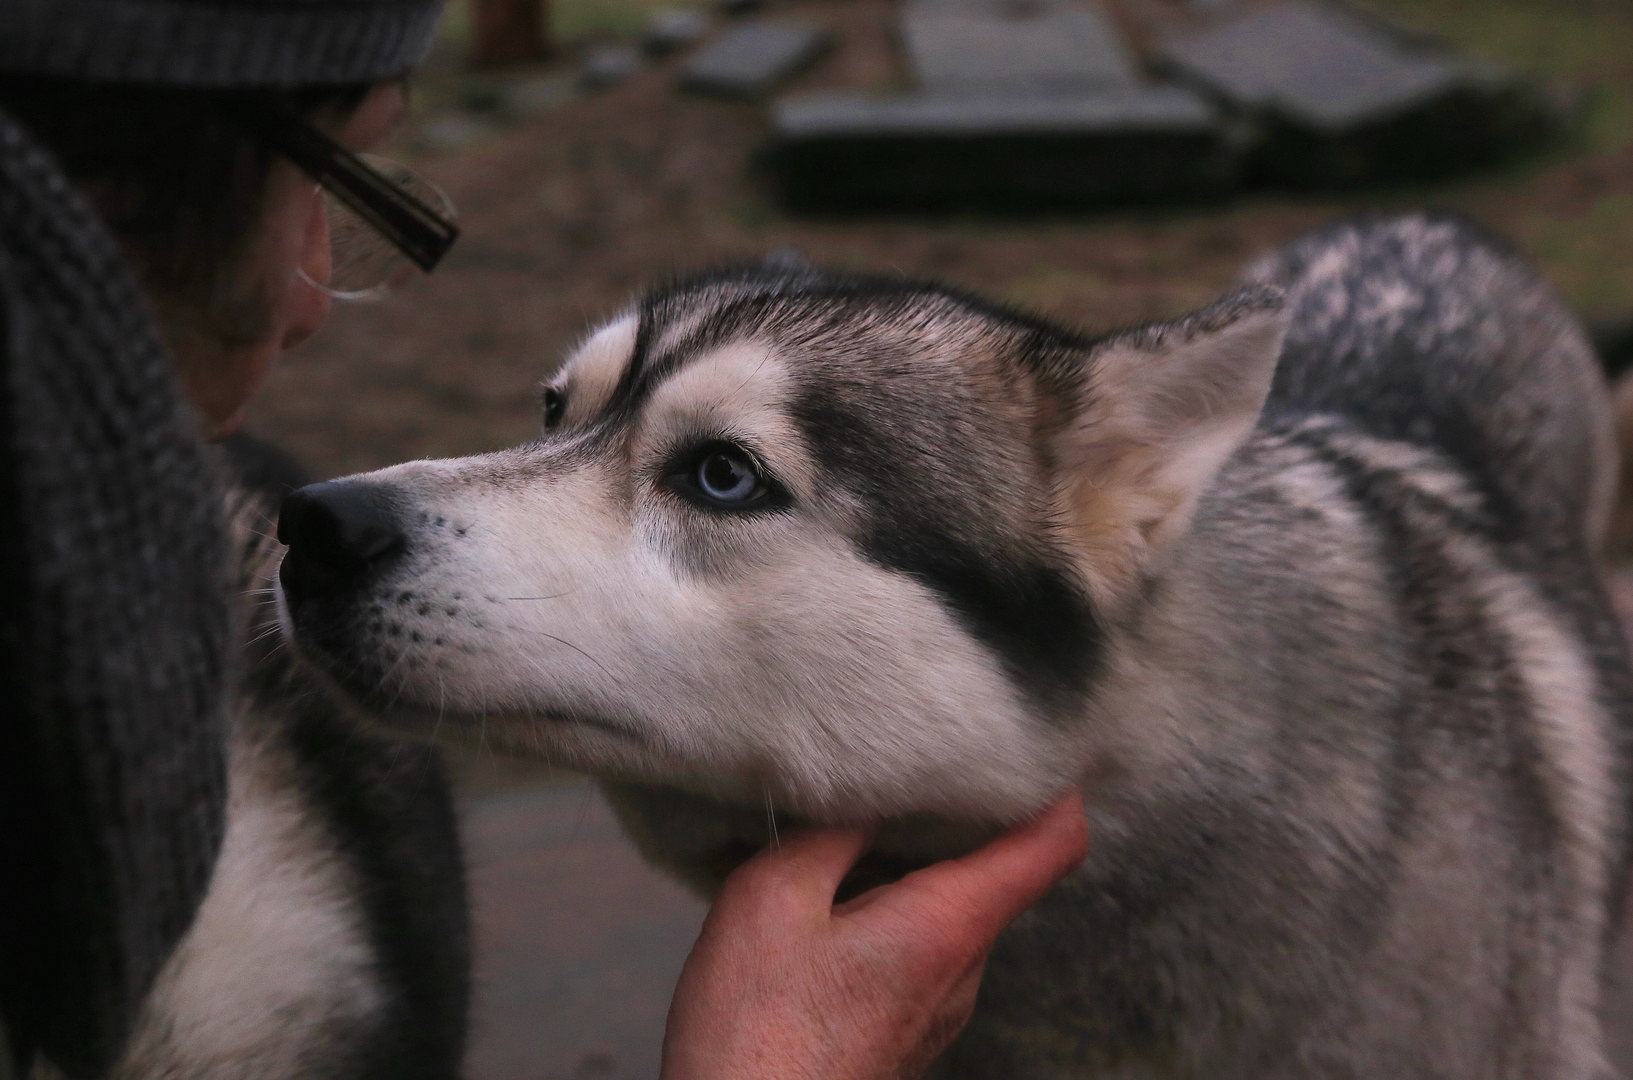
1372 713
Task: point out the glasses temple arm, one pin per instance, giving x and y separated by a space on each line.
420 233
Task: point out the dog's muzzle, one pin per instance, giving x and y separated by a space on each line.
339 534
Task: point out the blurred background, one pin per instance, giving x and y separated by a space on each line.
1100 163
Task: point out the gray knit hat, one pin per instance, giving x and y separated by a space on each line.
216 43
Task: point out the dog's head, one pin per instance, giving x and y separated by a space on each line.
849 545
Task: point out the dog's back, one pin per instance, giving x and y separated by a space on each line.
1370 805
1424 330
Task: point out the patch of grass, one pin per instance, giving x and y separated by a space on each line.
1051 290
574 20
1587 255
1580 41
571 21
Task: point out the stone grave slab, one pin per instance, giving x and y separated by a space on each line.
752 60
1315 65
1344 100
608 66
998 151
673 29
954 47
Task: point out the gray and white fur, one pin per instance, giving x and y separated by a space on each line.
1299 590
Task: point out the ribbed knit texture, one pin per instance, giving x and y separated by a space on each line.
216 43
114 629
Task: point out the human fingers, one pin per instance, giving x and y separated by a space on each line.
975 896
796 877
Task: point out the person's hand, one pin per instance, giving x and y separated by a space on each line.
785 985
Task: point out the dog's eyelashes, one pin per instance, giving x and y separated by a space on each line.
555 404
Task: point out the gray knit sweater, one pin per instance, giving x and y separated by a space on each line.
114 591
115 623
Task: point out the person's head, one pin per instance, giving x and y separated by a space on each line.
116 640
226 235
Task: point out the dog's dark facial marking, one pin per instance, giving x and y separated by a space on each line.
1014 595
1031 615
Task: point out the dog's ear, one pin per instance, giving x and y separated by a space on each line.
1161 409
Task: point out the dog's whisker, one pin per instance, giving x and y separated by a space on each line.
270 631
436 728
261 631
771 818
583 811
394 679
482 746
579 651
753 374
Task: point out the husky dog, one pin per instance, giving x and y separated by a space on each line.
1299 590
332 942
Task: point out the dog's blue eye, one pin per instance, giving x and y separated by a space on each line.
727 476
721 476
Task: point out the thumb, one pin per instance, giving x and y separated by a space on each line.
798 878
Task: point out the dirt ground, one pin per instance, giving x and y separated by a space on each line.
570 212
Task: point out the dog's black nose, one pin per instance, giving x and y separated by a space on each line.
335 532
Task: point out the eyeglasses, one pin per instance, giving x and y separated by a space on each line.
386 222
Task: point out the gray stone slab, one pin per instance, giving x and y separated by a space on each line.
752 60
998 151
452 132
608 66
530 97
967 47
1314 66
1158 109
673 29
1338 99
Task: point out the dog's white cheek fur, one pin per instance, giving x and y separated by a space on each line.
806 676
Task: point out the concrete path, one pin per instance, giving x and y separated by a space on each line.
579 943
